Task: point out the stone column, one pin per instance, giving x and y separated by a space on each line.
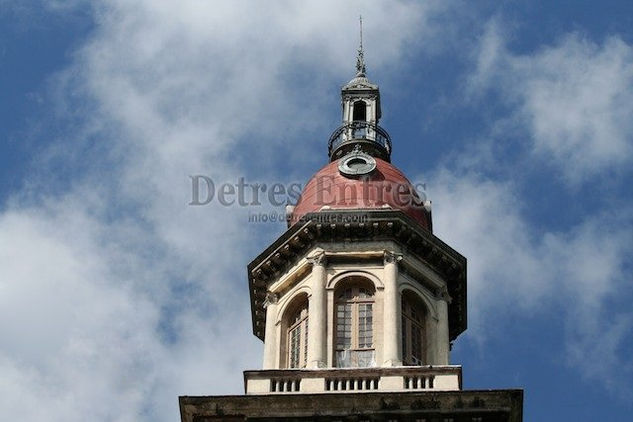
443 342
392 356
317 313
270 338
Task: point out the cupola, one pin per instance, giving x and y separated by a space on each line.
360 100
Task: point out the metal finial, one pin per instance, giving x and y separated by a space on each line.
360 59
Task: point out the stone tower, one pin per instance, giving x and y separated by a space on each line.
357 303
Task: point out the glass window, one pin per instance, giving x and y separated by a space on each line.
413 330
354 327
298 338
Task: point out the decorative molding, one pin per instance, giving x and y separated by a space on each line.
442 293
377 225
423 294
391 257
318 259
368 163
271 299
358 272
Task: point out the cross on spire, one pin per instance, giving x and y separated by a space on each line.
360 59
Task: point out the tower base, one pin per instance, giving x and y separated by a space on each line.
435 406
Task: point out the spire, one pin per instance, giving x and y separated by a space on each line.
360 59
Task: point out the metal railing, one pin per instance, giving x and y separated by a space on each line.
359 131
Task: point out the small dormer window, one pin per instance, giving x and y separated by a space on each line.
360 111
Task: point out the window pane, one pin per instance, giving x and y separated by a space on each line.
305 343
416 344
365 331
405 352
413 347
344 326
295 339
354 331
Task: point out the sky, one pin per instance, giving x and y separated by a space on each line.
117 296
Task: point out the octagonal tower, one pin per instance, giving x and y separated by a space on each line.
358 303
358 294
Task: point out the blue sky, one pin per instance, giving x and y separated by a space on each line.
116 296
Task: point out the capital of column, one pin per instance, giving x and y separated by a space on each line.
318 259
443 294
391 257
271 299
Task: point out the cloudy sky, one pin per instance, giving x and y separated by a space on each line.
116 296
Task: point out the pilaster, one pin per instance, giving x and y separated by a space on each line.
392 355
317 322
271 342
443 341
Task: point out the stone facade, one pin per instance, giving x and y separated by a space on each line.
446 406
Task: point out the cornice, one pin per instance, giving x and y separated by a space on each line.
347 225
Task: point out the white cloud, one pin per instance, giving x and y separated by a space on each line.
72 331
515 268
575 99
116 296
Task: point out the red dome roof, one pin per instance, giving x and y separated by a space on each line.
385 187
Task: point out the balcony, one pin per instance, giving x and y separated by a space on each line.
348 135
337 380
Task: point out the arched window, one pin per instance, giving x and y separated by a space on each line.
297 336
413 330
360 111
354 325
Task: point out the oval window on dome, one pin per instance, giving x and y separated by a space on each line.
357 163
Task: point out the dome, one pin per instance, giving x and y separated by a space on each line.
360 82
385 187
